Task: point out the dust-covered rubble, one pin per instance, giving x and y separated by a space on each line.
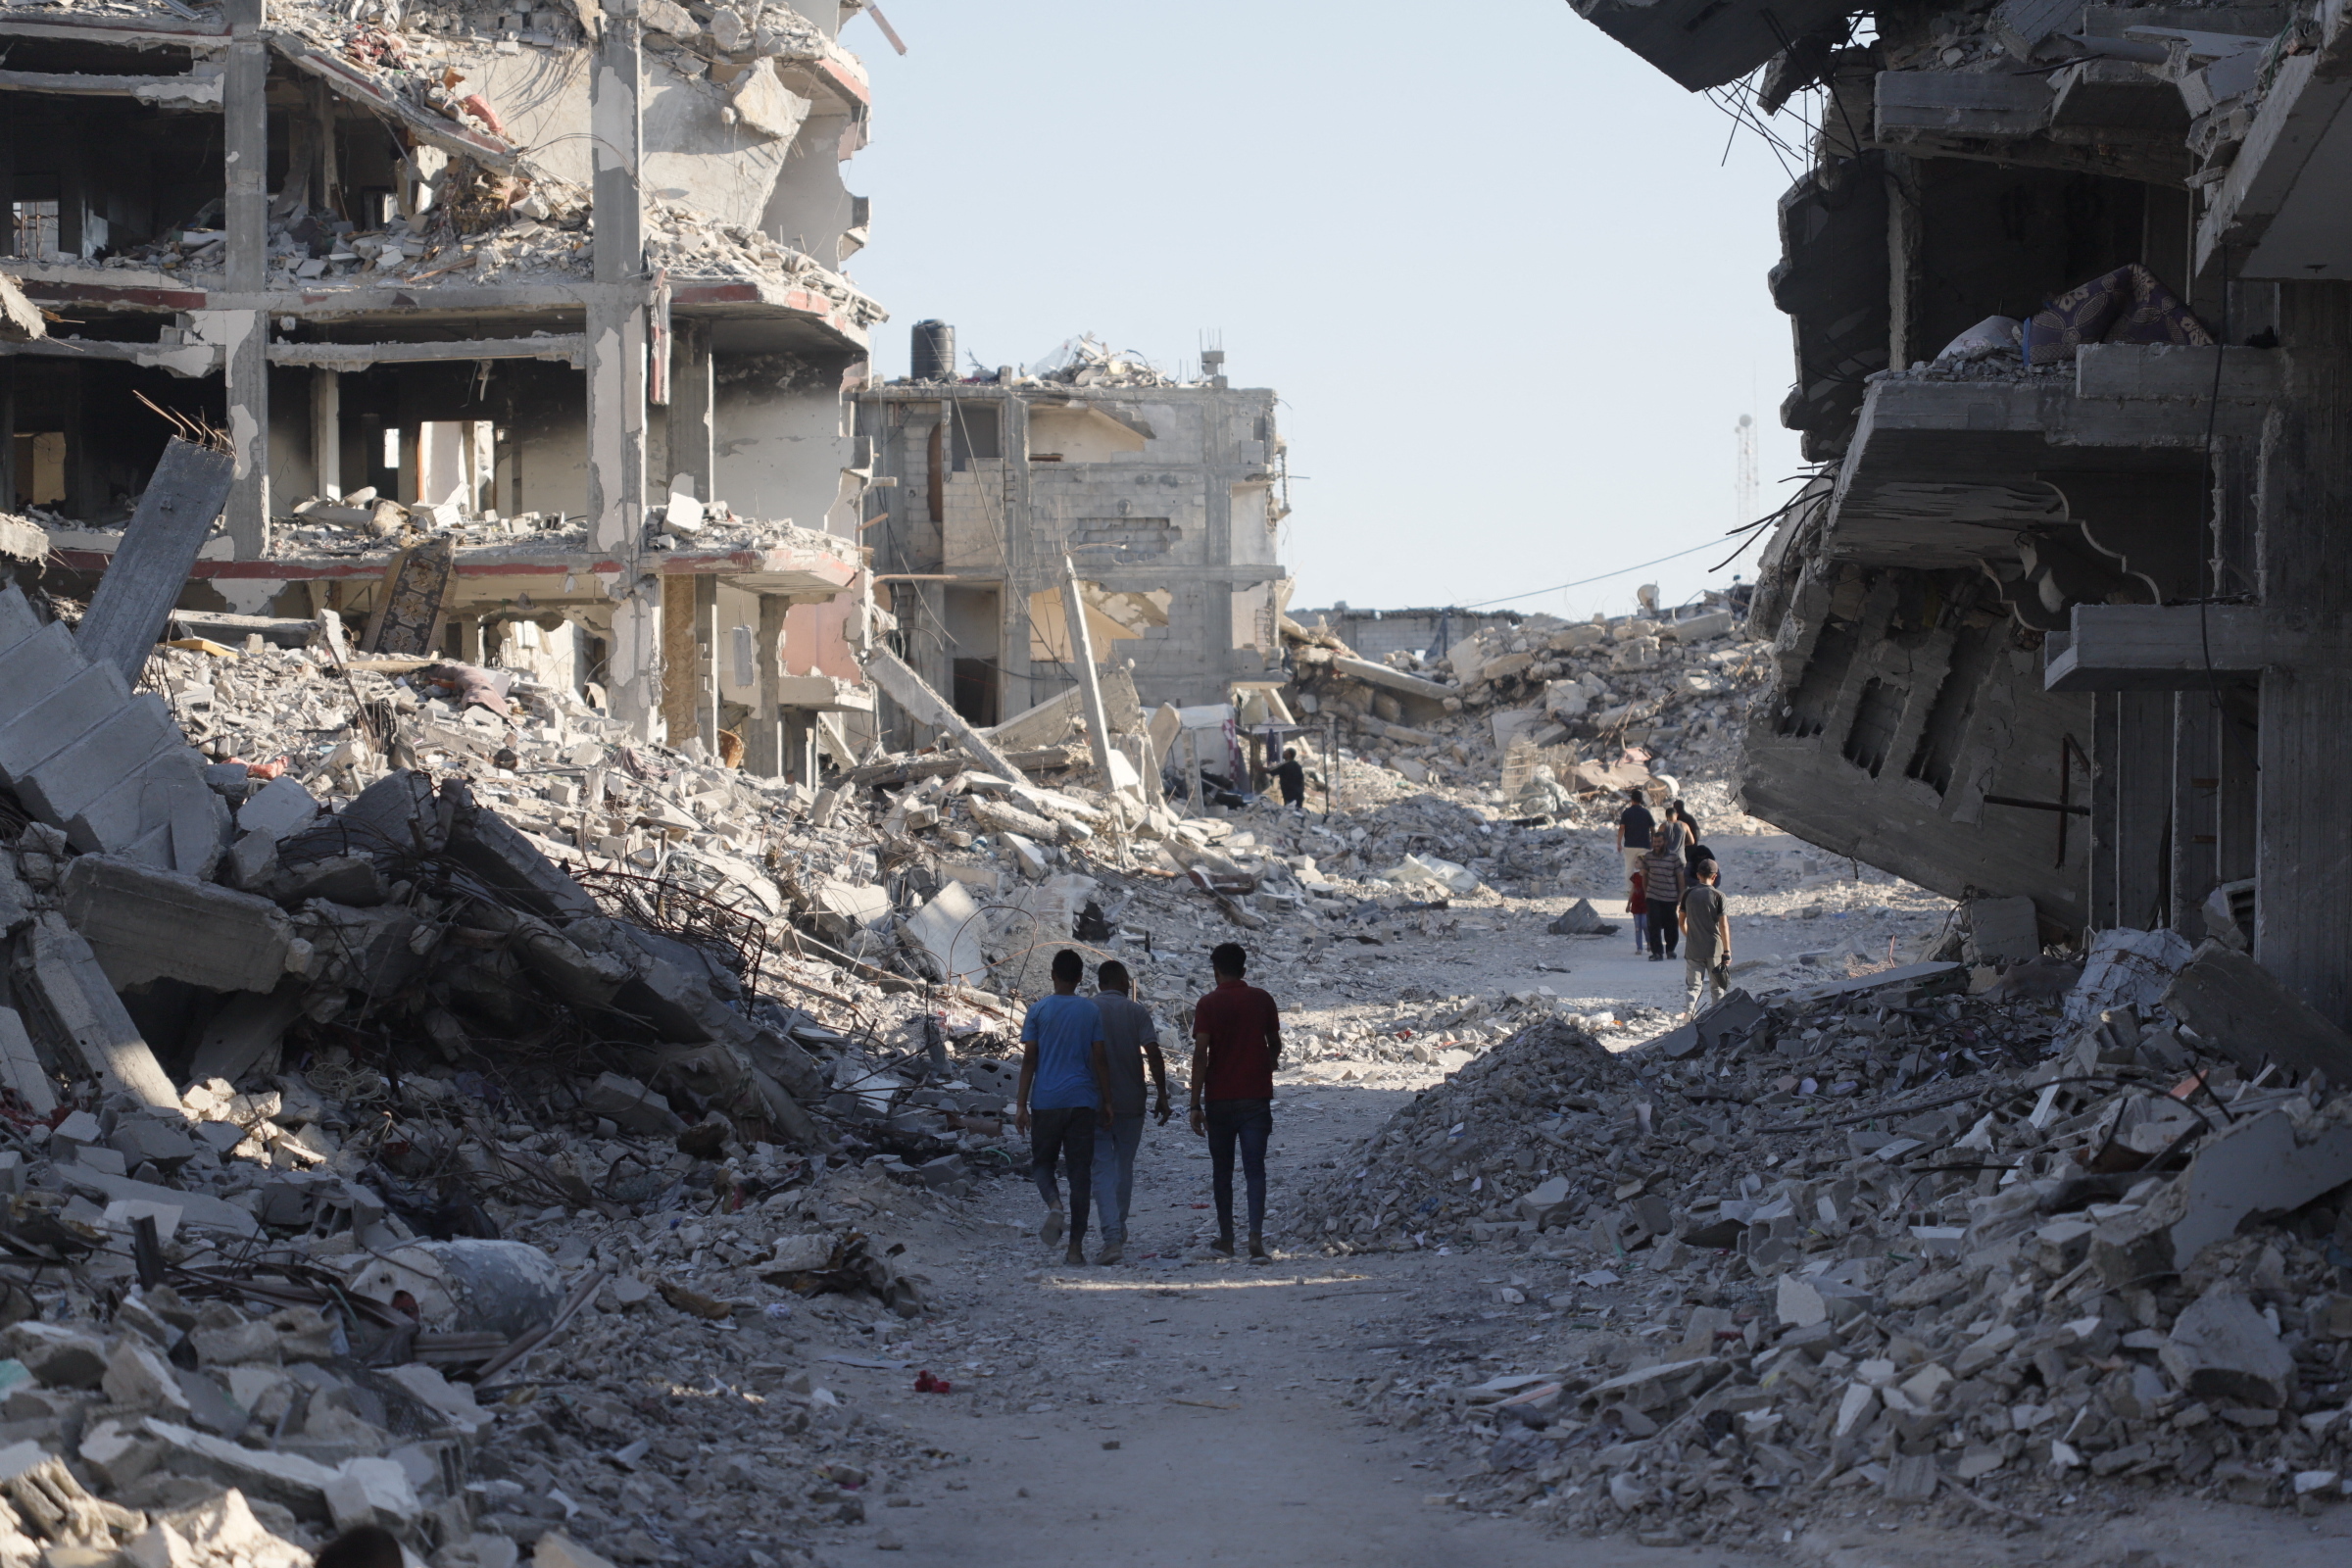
1883 1245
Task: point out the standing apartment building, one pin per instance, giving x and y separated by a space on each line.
1165 497
2071 295
563 284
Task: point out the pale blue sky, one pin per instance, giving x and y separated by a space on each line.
1509 289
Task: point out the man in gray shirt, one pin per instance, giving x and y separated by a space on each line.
1130 1040
1706 939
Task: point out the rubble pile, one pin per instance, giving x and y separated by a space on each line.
447 1113
1087 361
1564 714
1905 1246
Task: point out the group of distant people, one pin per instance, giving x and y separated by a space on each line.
1671 893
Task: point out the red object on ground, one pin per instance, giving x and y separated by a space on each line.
925 1383
265 769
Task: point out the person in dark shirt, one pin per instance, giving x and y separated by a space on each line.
1634 825
1293 776
1707 933
1694 852
1237 1043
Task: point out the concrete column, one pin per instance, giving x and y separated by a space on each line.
2238 824
706 655
678 659
617 146
2141 763
764 732
1216 603
616 328
1082 653
2304 849
329 165
2100 904
799 732
693 436
1016 691
633 658
326 430
2196 807
245 115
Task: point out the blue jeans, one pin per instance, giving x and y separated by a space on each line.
1640 934
1251 1122
1115 1170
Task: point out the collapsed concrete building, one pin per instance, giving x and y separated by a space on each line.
2069 299
1164 496
527 326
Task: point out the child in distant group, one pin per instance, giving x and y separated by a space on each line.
1636 905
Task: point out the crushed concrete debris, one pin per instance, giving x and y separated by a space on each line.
1900 1244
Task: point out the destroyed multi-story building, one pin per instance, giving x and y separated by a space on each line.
526 326
2057 615
1163 497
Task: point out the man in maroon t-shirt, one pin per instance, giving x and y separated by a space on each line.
1237 1043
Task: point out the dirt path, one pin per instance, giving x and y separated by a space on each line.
1180 1408
1180 1411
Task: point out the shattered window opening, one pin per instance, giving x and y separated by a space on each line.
1875 717
1809 703
36 230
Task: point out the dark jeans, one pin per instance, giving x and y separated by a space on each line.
1053 1133
1251 1121
1664 933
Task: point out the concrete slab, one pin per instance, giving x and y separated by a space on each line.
2243 1010
244 1031
199 1210
54 722
2222 1350
21 1069
950 928
144 924
117 749
59 979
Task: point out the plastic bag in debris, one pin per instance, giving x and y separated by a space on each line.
1428 868
1993 338
2124 968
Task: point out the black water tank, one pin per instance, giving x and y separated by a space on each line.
934 358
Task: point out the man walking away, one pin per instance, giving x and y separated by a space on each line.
1293 777
1662 872
1237 1043
1707 932
1633 831
1130 1039
1063 1095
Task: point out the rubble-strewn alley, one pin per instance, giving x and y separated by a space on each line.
538 787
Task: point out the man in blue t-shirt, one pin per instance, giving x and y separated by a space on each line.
1064 1093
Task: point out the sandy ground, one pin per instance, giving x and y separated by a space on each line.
1178 1408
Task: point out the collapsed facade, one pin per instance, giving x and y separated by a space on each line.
2068 293
1164 497
527 326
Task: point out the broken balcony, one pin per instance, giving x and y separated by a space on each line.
1948 471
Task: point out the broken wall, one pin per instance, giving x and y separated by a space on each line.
782 441
1904 699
